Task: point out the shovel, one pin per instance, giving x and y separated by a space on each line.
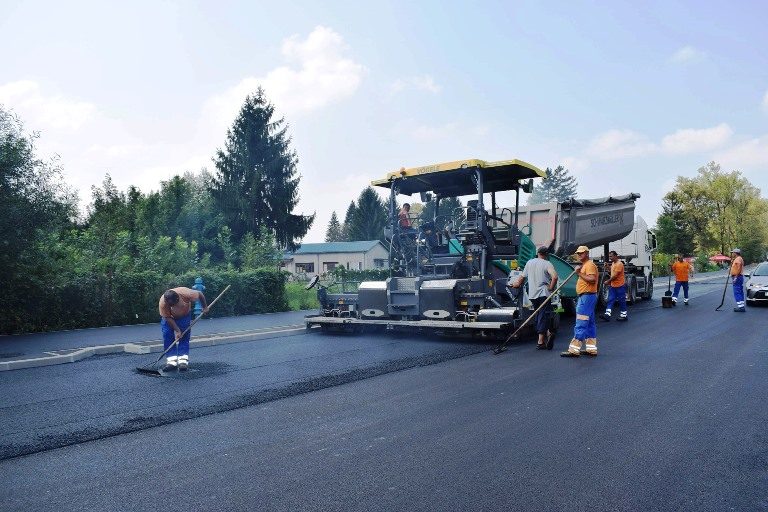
151 369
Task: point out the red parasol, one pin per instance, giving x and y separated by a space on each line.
719 258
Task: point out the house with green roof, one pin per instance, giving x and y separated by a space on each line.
319 258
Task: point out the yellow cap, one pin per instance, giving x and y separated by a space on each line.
582 248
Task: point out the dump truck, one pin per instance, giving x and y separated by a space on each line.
603 224
450 274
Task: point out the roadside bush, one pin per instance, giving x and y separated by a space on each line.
299 298
129 298
661 263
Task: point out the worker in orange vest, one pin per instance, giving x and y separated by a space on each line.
617 289
585 329
682 270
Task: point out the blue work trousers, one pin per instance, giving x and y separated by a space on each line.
738 290
169 336
678 284
585 317
618 293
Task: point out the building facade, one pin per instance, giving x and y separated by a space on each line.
312 259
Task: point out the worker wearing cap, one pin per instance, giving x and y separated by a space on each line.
737 277
542 279
682 270
585 329
617 288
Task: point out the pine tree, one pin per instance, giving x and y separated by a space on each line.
256 183
450 208
369 217
334 233
558 186
348 221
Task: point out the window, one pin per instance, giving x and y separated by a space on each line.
359 265
307 268
329 265
378 263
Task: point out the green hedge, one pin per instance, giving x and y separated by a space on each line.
131 298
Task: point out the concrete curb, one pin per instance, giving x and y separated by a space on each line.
72 356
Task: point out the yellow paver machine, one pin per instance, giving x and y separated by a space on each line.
448 274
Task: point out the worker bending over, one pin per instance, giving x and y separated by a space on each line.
176 314
617 288
585 329
542 279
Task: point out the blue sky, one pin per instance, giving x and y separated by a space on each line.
627 95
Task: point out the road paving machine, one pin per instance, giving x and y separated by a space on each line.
448 274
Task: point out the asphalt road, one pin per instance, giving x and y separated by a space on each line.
670 416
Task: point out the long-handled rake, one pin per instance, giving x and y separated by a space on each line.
722 301
503 347
151 369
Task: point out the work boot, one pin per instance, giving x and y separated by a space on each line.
591 346
685 301
739 310
605 317
573 349
183 366
169 368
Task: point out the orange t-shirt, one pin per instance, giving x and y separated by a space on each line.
182 308
617 269
588 268
681 270
737 267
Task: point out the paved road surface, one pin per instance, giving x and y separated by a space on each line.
670 416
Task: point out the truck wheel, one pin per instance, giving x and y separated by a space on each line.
649 288
602 299
632 290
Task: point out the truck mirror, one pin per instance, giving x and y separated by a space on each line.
528 186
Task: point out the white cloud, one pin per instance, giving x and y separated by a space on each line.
616 144
52 110
765 102
418 83
318 73
746 155
690 140
574 164
434 132
687 54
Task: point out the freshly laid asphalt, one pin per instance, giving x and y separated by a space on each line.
670 416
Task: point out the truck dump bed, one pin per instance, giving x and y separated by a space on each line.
564 226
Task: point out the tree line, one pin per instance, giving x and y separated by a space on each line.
237 218
713 212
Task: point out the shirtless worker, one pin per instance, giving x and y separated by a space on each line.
585 329
737 278
175 315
